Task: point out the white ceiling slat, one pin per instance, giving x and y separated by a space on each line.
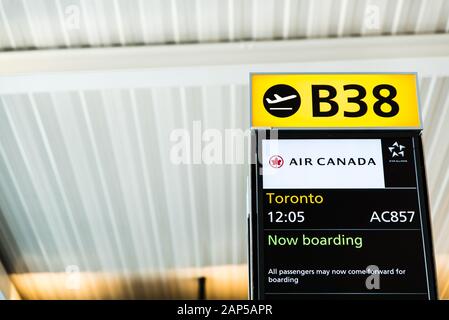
149 193
59 185
191 187
131 20
364 30
429 95
11 113
73 24
423 84
62 23
233 117
150 141
429 11
310 19
156 15
69 245
209 183
108 27
442 15
104 188
119 22
266 19
128 177
33 36
420 19
143 22
286 19
49 20
72 220
44 233
217 193
241 191
100 29
378 11
11 203
388 12
36 244
438 195
436 104
22 226
397 17
355 11
342 17
128 184
299 19
353 18
176 21
215 20
199 24
12 247
441 121
89 24
231 20
215 119
441 238
254 17
176 221
148 189
8 31
321 27
439 210
192 227
224 189
291 19
238 187
65 109
241 26
120 177
183 21
446 29
120 183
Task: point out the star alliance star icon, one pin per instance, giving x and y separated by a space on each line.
396 150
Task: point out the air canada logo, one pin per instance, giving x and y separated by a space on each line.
281 100
397 150
276 161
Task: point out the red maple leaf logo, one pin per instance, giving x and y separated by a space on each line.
276 161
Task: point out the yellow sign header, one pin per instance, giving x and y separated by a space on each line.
334 101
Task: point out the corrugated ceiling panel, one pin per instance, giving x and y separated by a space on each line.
86 180
75 23
435 104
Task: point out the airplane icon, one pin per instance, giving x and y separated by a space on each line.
280 99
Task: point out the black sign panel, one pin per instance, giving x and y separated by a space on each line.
340 214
